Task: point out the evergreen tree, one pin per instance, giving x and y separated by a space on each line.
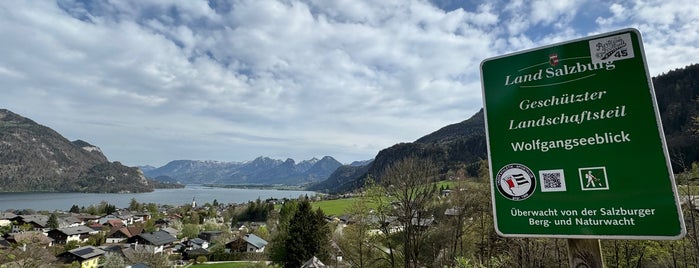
52 222
308 236
106 208
152 208
109 209
74 209
277 246
255 211
134 205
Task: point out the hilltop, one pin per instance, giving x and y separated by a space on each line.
36 158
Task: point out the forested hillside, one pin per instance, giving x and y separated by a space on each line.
36 158
677 93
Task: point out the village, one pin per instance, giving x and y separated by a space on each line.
151 235
143 235
452 220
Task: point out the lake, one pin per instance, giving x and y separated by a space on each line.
175 197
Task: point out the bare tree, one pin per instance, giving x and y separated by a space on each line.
382 242
353 240
409 183
142 254
113 260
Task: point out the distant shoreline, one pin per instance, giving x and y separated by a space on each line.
257 186
173 197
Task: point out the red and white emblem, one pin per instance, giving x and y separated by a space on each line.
553 59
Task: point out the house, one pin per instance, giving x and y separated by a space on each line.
105 220
172 231
155 242
126 217
69 220
5 218
389 224
87 256
163 222
248 227
209 235
115 249
67 234
31 237
34 222
118 235
197 243
247 243
194 253
422 223
114 223
87 218
141 217
130 218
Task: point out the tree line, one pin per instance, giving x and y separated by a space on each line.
404 220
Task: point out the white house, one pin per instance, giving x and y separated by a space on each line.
67 234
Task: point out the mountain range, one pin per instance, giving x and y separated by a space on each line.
454 148
262 170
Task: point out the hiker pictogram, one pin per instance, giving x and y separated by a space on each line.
593 178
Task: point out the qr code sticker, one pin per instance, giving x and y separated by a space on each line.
552 180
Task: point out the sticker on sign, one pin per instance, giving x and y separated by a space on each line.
611 48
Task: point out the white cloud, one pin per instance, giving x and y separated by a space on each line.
554 11
484 17
284 78
669 30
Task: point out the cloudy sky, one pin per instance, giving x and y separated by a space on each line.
154 81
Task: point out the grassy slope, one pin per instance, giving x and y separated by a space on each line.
339 207
336 207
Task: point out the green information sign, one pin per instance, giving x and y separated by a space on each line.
576 148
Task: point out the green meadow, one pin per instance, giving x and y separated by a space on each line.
339 207
336 207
